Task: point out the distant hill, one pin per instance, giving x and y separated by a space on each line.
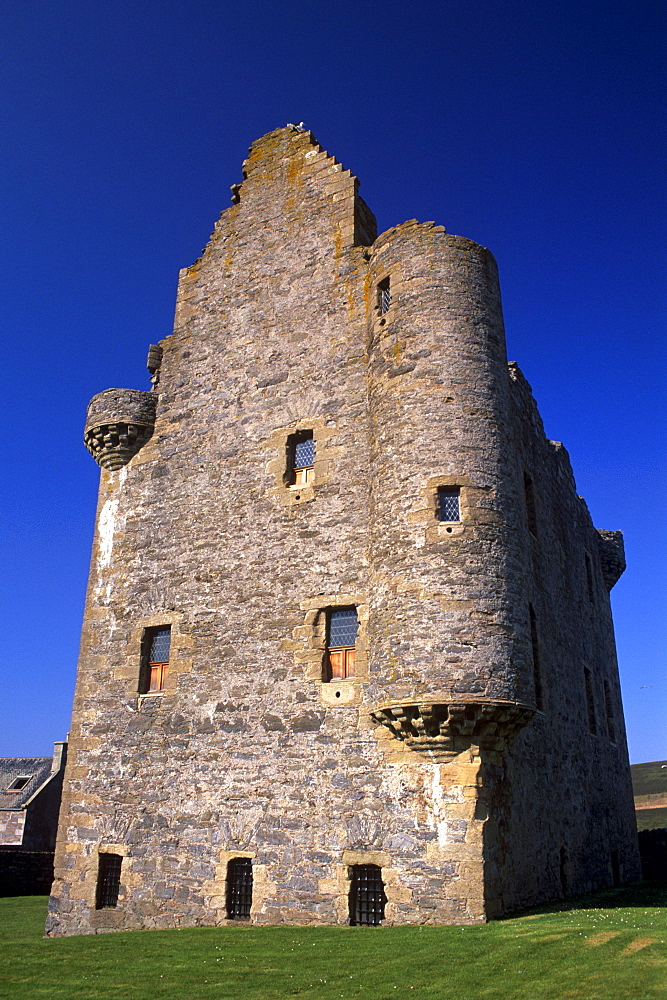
649 786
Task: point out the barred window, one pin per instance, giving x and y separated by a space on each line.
384 296
108 881
300 458
342 629
155 659
449 503
367 896
239 888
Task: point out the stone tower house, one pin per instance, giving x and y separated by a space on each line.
348 652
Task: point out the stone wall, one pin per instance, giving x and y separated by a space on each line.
414 764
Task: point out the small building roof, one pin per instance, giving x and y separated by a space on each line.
37 769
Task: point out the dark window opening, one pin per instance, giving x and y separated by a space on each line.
531 511
19 783
564 865
537 668
590 703
155 659
384 296
367 896
239 888
615 869
108 881
611 726
449 503
300 458
342 629
589 579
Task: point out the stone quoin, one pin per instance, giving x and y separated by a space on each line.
347 654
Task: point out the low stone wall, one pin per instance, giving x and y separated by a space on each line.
653 851
25 873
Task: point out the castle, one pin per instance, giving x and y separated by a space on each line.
347 654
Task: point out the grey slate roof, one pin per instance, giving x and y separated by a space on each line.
14 767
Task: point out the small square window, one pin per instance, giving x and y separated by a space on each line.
155 659
108 881
383 296
342 629
449 503
19 783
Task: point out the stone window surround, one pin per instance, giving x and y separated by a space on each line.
394 274
124 852
339 881
427 514
336 692
215 891
178 662
323 429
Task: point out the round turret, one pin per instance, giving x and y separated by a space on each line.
118 423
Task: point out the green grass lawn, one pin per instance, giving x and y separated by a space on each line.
603 947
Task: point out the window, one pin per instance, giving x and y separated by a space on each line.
342 628
239 888
589 579
611 727
367 896
19 783
615 869
449 503
108 881
564 865
384 296
300 458
529 494
590 703
537 673
155 659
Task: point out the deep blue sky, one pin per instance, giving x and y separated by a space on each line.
531 127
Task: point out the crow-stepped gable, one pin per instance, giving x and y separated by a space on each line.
347 654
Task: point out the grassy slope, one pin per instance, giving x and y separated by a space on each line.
649 779
651 819
611 946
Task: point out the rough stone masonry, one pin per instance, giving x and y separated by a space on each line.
347 654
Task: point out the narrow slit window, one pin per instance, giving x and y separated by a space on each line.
155 659
108 881
590 703
300 458
384 296
239 888
342 629
531 511
449 503
537 669
590 583
367 896
611 725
